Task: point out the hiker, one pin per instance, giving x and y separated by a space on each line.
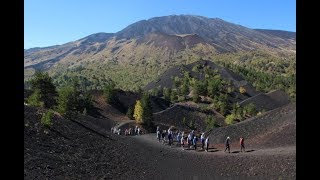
119 131
227 144
126 132
170 138
158 128
163 136
183 139
129 131
242 144
169 130
192 134
136 130
158 134
202 140
177 133
178 139
189 140
195 139
207 144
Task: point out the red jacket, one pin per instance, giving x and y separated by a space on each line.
241 141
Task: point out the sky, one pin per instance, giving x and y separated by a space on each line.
55 22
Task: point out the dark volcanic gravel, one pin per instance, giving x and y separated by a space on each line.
71 150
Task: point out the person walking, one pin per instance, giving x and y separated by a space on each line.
170 138
182 140
195 139
158 134
189 140
242 144
136 130
163 136
207 144
202 140
179 139
158 128
227 144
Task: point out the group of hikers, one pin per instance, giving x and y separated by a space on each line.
191 139
127 132
183 140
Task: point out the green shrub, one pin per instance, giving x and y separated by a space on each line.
230 119
35 100
184 122
211 123
192 125
167 93
46 119
130 112
181 98
44 90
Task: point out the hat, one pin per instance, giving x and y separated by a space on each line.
228 137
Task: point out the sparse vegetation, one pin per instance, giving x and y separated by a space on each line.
44 91
211 122
167 93
230 119
73 100
110 93
46 119
249 110
34 99
242 90
130 112
192 125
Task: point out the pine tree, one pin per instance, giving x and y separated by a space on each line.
173 96
34 99
67 101
130 112
42 84
147 116
110 93
185 87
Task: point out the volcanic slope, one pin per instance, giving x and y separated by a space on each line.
268 101
72 150
173 116
275 128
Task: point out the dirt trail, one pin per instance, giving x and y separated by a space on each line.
218 149
175 163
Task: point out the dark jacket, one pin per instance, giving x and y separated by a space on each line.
227 142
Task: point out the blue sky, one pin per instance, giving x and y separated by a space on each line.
53 22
